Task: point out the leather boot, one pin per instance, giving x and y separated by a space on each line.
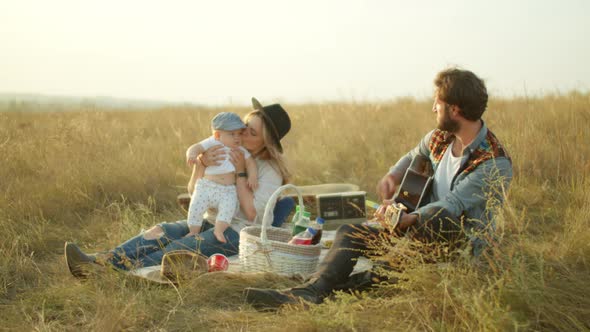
265 299
79 264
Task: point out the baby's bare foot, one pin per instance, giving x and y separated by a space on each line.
220 237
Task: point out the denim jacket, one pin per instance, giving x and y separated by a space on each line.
478 188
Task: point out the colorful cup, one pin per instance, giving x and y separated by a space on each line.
217 262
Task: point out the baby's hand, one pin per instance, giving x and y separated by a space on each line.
219 236
191 157
191 161
252 183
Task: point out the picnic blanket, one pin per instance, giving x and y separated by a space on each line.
363 263
308 195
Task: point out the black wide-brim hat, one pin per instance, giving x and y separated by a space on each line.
276 119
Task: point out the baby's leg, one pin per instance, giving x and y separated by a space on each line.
199 204
220 227
228 205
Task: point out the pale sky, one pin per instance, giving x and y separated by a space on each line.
217 52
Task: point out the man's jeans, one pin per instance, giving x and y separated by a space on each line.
139 251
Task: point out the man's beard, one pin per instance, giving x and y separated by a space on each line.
448 124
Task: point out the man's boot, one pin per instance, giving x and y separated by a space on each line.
263 299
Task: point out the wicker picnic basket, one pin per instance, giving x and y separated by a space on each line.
265 248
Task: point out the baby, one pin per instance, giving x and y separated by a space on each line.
217 188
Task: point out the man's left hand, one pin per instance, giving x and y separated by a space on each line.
407 221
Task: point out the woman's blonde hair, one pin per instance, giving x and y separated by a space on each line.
271 151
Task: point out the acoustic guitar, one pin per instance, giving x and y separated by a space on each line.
412 191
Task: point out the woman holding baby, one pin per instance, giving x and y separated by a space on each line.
261 138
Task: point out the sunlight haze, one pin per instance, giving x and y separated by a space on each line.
220 52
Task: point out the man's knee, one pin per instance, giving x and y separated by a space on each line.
154 233
432 213
350 235
346 228
437 223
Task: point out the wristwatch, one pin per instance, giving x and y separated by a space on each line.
242 175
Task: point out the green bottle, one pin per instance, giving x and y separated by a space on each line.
295 215
303 223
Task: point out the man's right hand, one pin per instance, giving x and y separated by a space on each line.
386 187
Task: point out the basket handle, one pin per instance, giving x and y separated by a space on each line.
270 206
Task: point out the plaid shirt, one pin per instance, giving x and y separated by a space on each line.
478 188
489 148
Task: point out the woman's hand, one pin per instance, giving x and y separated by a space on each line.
236 156
213 156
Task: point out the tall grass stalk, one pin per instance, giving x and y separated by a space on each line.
98 177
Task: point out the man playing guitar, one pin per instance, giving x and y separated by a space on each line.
465 173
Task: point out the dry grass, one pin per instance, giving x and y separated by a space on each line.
97 177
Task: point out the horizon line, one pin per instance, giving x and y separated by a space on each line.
130 101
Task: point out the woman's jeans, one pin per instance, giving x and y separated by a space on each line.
139 251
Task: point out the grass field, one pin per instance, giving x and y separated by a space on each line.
98 176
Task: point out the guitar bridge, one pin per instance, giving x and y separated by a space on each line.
416 184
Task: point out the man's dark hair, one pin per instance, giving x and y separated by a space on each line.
463 89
